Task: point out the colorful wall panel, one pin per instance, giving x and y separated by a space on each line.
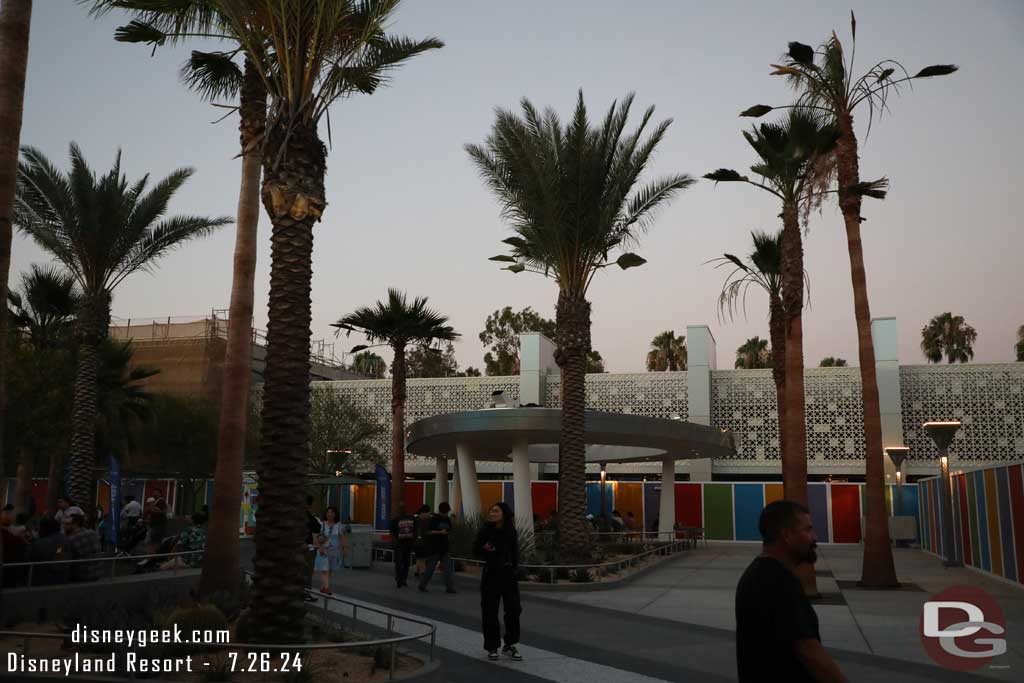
988 524
652 506
491 492
718 514
629 497
690 504
846 512
817 502
748 502
544 496
412 494
772 493
363 500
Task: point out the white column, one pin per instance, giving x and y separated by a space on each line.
667 511
701 360
456 502
440 481
887 371
521 486
468 482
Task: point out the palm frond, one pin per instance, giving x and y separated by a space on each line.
213 75
937 70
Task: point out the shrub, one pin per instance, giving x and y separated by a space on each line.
581 576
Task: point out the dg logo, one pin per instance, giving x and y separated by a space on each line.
963 628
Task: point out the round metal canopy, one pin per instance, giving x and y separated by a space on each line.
490 434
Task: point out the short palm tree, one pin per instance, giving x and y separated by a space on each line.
370 364
832 362
216 75
948 335
825 81
753 354
668 352
399 324
102 230
571 196
44 308
122 400
788 154
763 269
1019 346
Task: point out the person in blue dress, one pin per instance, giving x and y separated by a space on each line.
329 542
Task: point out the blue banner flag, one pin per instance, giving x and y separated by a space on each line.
115 500
382 519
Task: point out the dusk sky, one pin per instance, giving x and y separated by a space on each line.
406 208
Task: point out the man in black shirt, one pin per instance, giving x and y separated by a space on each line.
777 636
440 526
403 531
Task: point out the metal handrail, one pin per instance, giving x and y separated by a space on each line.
268 647
112 559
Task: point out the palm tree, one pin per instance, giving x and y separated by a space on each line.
763 270
668 353
829 87
42 314
215 75
831 362
102 230
1019 347
948 334
788 154
398 324
122 400
568 194
15 20
370 364
753 354
308 55
44 309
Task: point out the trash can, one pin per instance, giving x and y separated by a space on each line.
360 540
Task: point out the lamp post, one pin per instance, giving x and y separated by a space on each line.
898 454
942 434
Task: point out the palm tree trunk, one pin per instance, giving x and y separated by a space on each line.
572 318
777 331
794 461
221 561
93 320
23 482
878 569
54 482
398 370
15 18
294 166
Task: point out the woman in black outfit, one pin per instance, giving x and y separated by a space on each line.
498 545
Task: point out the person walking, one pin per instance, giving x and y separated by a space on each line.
497 545
312 529
420 544
440 551
403 531
777 636
328 556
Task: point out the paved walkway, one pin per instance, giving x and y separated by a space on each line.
676 623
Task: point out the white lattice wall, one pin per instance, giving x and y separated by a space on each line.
655 394
987 399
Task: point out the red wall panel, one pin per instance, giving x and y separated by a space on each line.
545 497
413 496
689 509
845 513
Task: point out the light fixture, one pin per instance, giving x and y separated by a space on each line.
898 454
942 433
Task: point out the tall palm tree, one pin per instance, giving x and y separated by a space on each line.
668 352
1019 346
309 53
399 324
763 270
370 364
788 153
102 230
15 19
948 335
825 81
753 354
569 194
216 75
